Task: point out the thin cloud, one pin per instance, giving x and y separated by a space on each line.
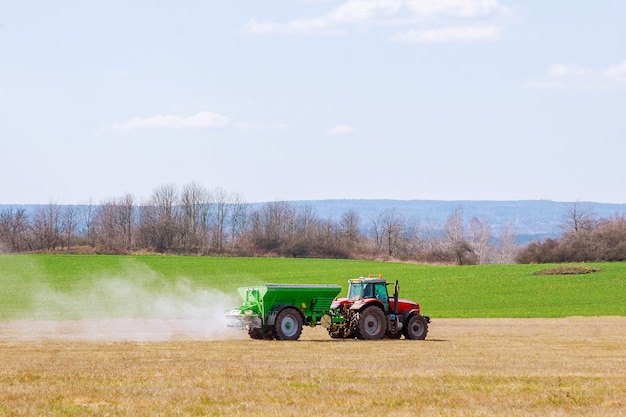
438 21
341 130
455 8
573 76
261 126
563 71
451 34
201 120
617 72
316 26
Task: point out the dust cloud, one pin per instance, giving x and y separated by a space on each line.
138 307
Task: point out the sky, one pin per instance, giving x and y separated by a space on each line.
313 99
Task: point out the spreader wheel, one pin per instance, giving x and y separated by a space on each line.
261 333
255 333
416 328
372 323
288 325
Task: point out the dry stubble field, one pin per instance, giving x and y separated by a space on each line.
466 367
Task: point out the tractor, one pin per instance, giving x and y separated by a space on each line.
368 312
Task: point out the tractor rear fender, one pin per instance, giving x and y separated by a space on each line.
271 318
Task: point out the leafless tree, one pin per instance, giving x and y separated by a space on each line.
218 216
195 206
158 219
508 248
273 225
389 229
456 241
238 218
578 218
69 222
87 214
349 226
46 227
14 227
480 240
114 224
127 219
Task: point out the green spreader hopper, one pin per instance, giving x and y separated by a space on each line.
280 310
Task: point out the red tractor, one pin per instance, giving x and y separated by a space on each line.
369 313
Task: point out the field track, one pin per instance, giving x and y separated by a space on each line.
467 367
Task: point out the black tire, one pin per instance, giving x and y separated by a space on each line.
288 325
372 323
255 333
264 333
396 335
416 328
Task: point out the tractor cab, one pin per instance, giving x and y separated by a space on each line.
368 288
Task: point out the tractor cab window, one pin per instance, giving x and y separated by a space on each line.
355 291
359 290
381 293
368 291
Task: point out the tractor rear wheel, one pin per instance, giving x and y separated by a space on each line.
416 328
372 323
288 325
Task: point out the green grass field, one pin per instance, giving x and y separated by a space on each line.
488 291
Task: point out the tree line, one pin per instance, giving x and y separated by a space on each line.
585 238
198 221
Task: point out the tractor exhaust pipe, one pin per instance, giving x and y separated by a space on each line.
395 298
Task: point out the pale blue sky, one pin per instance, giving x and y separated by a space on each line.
313 99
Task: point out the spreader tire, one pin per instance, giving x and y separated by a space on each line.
255 333
416 328
288 325
264 333
372 323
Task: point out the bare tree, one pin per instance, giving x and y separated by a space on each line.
87 213
219 215
114 224
69 222
13 230
195 206
456 242
480 240
46 227
508 245
306 230
578 218
238 218
158 221
126 218
273 225
389 229
349 225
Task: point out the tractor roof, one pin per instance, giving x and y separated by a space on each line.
363 280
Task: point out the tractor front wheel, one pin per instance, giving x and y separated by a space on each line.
288 325
372 323
416 328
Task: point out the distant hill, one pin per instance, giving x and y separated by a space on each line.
530 219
